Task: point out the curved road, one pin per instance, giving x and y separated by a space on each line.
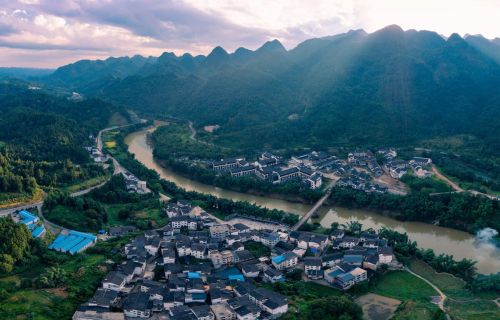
54 228
457 188
443 297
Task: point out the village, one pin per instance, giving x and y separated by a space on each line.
360 170
199 267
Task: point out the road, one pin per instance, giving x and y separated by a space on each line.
452 184
316 206
193 134
443 297
118 168
457 188
99 134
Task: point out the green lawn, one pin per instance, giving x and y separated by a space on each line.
414 293
452 286
461 303
402 285
411 310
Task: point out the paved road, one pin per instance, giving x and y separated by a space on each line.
118 168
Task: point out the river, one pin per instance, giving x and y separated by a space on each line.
442 240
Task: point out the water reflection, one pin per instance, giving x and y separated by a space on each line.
442 240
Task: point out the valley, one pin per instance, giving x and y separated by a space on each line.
442 240
151 167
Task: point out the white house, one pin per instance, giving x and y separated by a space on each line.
114 280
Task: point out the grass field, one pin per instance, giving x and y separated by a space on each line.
110 144
414 293
86 184
66 217
154 215
461 303
403 286
13 199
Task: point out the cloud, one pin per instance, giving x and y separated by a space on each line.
100 28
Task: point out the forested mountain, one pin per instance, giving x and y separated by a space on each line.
43 127
42 138
24 73
90 72
387 87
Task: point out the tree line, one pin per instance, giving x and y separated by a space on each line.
174 147
222 207
403 246
461 211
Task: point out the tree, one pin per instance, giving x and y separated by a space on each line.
334 308
6 263
14 241
353 227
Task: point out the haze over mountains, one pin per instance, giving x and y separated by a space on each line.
390 86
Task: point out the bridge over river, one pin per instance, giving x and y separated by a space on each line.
315 208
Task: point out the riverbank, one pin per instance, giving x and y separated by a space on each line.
294 198
179 152
441 240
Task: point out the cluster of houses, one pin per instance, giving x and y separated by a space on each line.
321 161
398 168
95 153
32 222
354 259
365 159
360 181
270 168
133 184
182 273
210 271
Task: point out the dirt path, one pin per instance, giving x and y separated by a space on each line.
441 294
452 184
497 302
193 134
457 188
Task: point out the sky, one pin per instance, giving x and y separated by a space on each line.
51 33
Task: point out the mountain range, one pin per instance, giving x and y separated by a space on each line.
386 87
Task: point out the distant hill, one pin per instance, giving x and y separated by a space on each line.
24 73
387 87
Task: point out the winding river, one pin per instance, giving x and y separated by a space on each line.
442 240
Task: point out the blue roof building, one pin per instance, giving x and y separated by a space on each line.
74 242
27 218
231 274
38 231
